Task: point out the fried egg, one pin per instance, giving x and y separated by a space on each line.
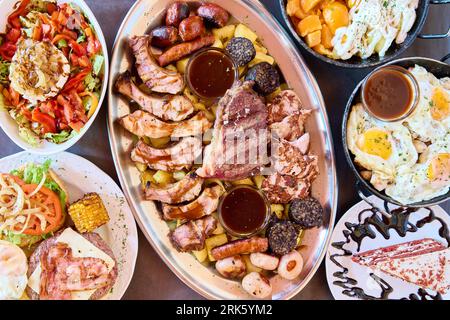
430 121
374 26
379 146
13 271
38 70
425 180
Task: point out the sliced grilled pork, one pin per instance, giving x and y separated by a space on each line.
186 189
286 116
204 205
143 124
191 235
239 143
156 78
174 108
294 171
176 157
283 189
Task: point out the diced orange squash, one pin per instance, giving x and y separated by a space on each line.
336 16
307 5
300 13
292 7
326 37
313 39
308 25
322 50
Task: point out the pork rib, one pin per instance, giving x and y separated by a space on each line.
186 189
143 124
156 78
191 235
204 205
176 157
174 108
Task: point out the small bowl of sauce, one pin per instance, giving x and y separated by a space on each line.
210 73
390 93
244 211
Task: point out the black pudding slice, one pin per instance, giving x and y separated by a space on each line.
265 76
307 213
283 237
241 50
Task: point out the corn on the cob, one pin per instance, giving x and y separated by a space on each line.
88 213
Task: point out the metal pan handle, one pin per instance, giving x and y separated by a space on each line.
446 57
436 35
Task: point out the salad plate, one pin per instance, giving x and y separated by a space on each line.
53 117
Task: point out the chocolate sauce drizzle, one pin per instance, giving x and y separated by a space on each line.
368 220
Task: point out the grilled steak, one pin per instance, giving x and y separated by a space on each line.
156 78
45 246
239 142
191 235
174 108
177 157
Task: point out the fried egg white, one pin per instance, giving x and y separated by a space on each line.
13 271
431 119
38 70
378 146
425 180
374 25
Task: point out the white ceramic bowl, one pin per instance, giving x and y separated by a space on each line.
11 128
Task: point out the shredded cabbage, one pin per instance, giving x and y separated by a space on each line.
61 137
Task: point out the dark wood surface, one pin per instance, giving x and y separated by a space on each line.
152 278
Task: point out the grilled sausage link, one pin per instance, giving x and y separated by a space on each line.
184 49
214 14
163 37
244 246
191 28
176 13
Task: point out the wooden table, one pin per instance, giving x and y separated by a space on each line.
152 279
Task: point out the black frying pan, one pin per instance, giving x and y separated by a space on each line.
440 70
393 52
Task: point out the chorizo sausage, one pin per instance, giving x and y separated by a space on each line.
214 14
191 28
251 245
163 37
176 13
184 49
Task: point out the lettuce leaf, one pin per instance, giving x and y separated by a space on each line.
17 238
29 136
97 64
4 71
61 137
92 83
33 173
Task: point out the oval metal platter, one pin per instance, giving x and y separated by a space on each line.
146 14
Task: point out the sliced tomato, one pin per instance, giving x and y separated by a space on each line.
7 50
13 35
37 33
48 122
51 7
76 80
21 10
16 179
52 214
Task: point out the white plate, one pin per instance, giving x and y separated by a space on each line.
11 128
400 289
80 177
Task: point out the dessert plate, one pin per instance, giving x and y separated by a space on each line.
363 228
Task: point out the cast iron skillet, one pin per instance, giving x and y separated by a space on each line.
440 70
374 60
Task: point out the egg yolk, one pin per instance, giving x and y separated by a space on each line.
335 15
439 168
376 142
440 104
